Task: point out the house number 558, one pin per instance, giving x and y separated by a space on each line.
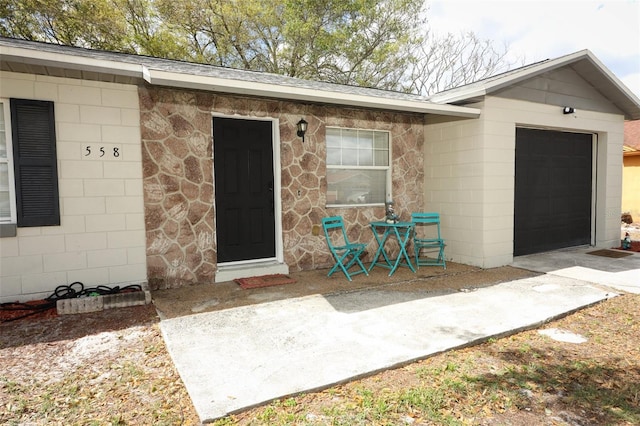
101 152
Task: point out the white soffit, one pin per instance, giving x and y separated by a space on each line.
58 60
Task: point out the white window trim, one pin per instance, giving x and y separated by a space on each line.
388 169
6 111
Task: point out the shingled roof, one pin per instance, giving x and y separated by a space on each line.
76 62
632 136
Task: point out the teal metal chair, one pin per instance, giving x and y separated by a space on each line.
426 238
346 254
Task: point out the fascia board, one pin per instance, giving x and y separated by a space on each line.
172 79
81 63
614 80
460 95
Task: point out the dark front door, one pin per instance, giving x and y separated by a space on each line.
243 161
553 187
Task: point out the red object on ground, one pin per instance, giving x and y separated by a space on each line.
264 281
635 246
35 309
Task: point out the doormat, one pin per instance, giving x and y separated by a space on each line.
264 281
609 253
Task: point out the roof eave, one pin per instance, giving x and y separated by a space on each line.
80 63
467 96
181 80
141 73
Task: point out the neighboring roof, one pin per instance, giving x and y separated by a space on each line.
74 62
632 137
584 63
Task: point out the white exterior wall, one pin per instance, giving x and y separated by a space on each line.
101 240
470 170
453 178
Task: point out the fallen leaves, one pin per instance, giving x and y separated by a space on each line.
116 373
113 368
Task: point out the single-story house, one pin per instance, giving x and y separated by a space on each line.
631 170
119 169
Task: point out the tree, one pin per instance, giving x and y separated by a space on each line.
146 33
71 22
130 26
374 43
363 42
449 61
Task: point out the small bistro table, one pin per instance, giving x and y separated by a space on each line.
381 231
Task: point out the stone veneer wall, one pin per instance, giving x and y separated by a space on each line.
176 127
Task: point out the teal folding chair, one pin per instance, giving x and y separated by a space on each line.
346 254
426 238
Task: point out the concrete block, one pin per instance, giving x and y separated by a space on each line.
99 303
79 305
122 300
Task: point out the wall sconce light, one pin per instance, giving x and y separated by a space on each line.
302 128
568 110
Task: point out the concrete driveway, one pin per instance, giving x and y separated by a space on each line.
236 358
622 273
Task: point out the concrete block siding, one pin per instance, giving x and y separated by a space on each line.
101 239
470 169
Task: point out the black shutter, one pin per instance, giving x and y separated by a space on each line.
34 154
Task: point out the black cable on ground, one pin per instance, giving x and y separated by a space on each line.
72 291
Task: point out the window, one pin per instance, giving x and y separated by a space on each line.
7 185
28 165
358 170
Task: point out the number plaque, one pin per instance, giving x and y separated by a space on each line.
101 151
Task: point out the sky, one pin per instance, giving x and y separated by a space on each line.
538 30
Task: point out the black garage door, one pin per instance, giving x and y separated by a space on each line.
553 188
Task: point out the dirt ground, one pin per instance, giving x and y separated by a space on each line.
112 367
196 299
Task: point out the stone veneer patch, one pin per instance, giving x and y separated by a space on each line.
176 127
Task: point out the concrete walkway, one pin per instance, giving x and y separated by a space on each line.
236 358
620 273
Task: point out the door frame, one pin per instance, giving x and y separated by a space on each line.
277 188
594 184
